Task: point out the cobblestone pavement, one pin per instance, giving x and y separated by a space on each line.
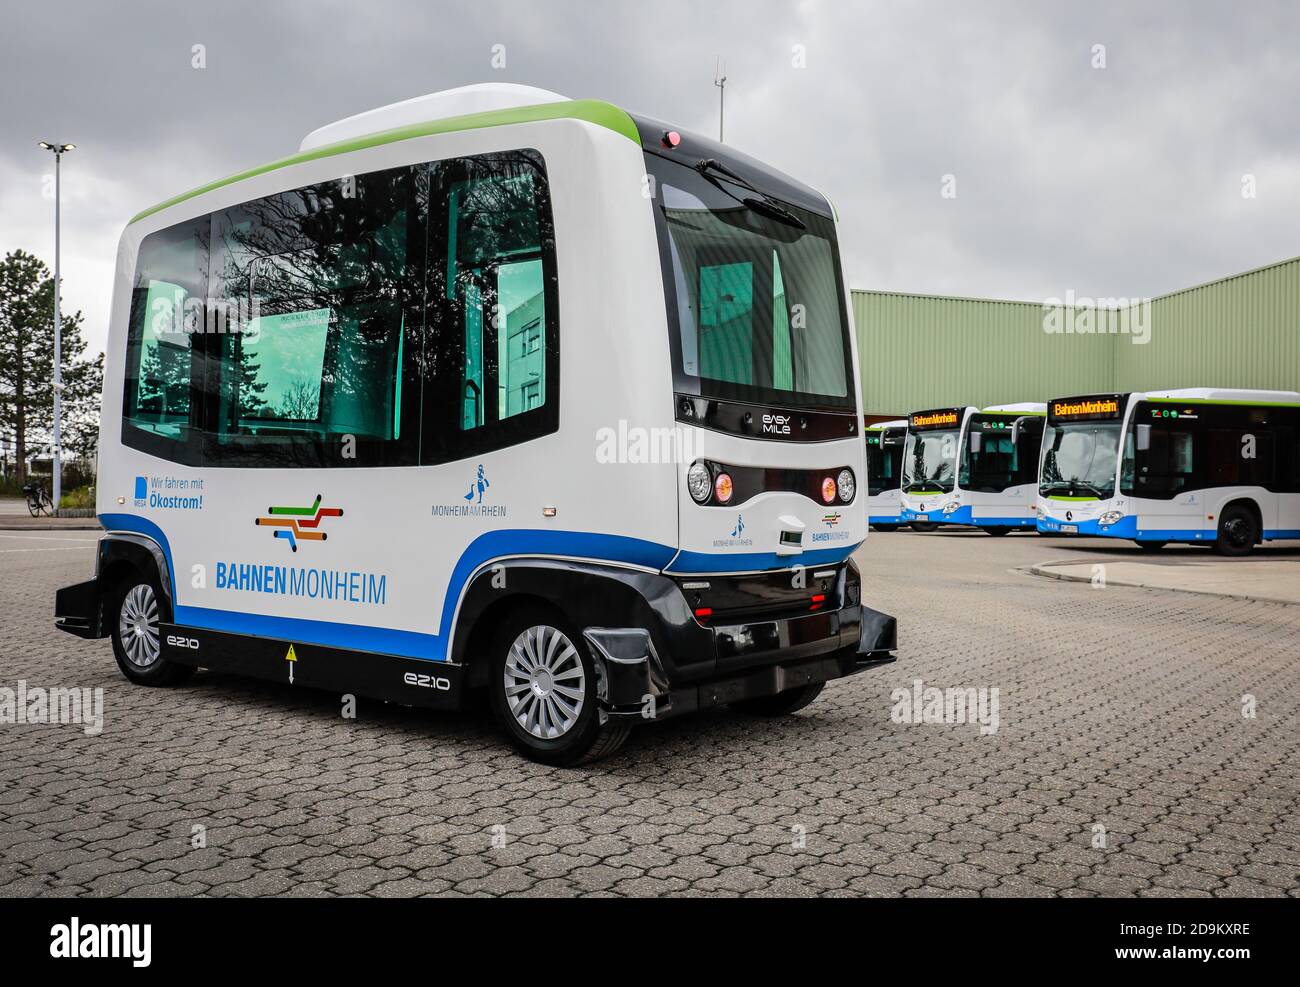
1119 708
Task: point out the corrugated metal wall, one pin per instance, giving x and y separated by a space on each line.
924 351
1243 331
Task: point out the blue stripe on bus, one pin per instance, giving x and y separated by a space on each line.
961 515
488 546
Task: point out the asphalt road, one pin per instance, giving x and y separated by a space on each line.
1121 763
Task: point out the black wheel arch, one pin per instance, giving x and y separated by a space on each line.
585 594
120 554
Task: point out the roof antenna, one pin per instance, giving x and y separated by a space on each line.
720 80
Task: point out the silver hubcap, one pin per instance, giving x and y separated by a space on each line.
544 681
138 625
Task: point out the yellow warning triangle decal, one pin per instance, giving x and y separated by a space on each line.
292 655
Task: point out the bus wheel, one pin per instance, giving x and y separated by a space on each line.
137 645
790 701
543 687
997 530
885 527
1151 546
924 525
1237 531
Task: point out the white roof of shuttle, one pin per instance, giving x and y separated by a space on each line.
457 102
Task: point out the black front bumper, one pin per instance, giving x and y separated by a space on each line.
754 660
78 609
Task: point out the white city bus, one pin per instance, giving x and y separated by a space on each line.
384 416
884 473
972 467
1197 465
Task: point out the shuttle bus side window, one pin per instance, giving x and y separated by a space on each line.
327 283
493 339
165 342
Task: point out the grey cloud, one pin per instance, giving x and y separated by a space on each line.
1123 181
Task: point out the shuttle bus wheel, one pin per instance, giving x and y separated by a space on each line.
138 610
543 687
1237 531
924 525
790 701
1151 546
885 527
997 529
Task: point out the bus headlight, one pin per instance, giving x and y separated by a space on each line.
951 506
698 482
848 486
828 490
1111 517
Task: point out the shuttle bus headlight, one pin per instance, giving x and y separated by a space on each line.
847 485
828 490
723 488
698 482
1111 517
950 507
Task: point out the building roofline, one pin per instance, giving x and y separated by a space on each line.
1039 305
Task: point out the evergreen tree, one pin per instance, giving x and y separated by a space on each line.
27 364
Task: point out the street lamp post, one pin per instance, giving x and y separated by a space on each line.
720 80
58 151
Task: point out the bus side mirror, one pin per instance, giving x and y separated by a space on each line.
1143 438
976 439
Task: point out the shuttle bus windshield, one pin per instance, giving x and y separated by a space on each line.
755 301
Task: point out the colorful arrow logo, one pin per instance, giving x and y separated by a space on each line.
298 523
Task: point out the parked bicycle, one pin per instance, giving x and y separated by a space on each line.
38 500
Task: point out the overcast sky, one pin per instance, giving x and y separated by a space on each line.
1117 181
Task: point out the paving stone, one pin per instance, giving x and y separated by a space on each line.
1118 709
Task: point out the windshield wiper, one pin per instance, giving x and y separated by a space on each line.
764 203
1071 486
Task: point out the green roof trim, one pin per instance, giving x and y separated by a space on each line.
591 110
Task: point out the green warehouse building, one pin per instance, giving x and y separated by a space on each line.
927 351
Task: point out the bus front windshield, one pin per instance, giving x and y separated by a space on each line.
930 461
884 460
754 294
1079 459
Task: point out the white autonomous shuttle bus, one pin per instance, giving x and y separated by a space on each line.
365 412
885 473
972 467
1196 464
